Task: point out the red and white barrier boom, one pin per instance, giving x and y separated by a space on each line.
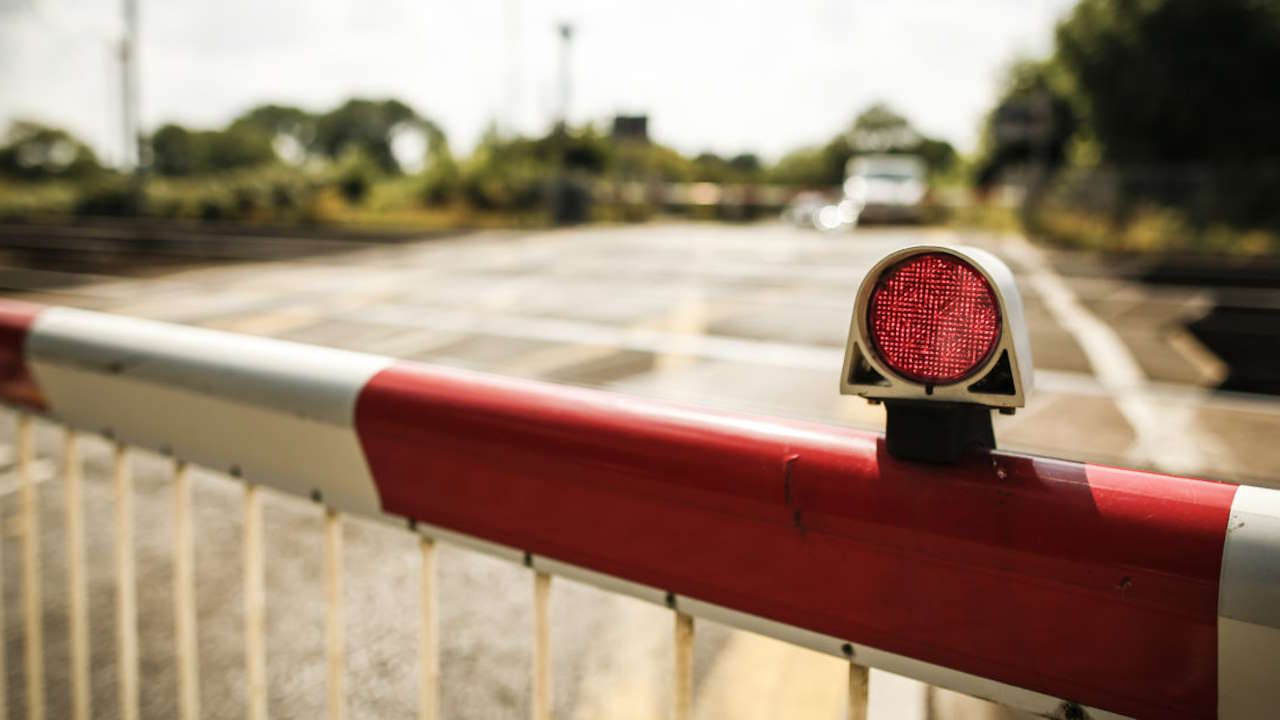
1063 588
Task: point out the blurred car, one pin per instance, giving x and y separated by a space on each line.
887 188
821 211
804 208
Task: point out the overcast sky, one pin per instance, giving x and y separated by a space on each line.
762 76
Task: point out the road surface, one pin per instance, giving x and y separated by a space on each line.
743 317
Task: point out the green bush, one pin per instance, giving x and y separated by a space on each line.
1149 229
357 173
265 194
23 200
441 182
116 197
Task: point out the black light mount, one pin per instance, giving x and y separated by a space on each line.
933 432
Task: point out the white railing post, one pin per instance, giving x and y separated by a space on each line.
77 599
541 646
126 587
682 698
429 683
254 606
32 609
858 687
184 595
333 612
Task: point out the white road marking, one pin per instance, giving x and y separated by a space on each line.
1168 434
42 470
660 342
799 356
1211 369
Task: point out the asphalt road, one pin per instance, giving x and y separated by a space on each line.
743 317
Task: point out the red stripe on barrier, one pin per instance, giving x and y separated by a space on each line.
1095 584
16 384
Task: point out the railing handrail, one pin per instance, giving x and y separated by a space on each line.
1042 584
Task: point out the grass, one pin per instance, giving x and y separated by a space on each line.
1148 229
1151 229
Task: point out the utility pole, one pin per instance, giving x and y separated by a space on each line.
566 40
511 17
129 116
567 203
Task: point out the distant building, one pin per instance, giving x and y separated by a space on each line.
631 127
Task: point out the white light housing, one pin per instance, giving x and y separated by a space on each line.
942 324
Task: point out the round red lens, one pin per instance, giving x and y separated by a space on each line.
933 319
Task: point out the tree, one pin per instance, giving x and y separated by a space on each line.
173 151
586 150
291 130
879 129
370 126
178 151
238 147
1033 123
33 151
1182 100
279 119
746 165
1177 81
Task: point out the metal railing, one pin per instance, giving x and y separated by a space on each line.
187 655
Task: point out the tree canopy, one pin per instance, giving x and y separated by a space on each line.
177 151
1175 99
1176 81
272 132
1034 121
33 151
370 126
877 129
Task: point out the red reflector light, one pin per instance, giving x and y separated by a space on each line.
933 319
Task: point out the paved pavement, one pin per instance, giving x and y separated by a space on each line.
742 317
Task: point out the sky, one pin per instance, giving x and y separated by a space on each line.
762 76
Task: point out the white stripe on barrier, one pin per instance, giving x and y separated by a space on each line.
229 402
1249 606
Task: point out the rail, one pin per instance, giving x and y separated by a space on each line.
1069 590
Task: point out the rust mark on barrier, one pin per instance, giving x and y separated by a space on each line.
798 521
788 461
